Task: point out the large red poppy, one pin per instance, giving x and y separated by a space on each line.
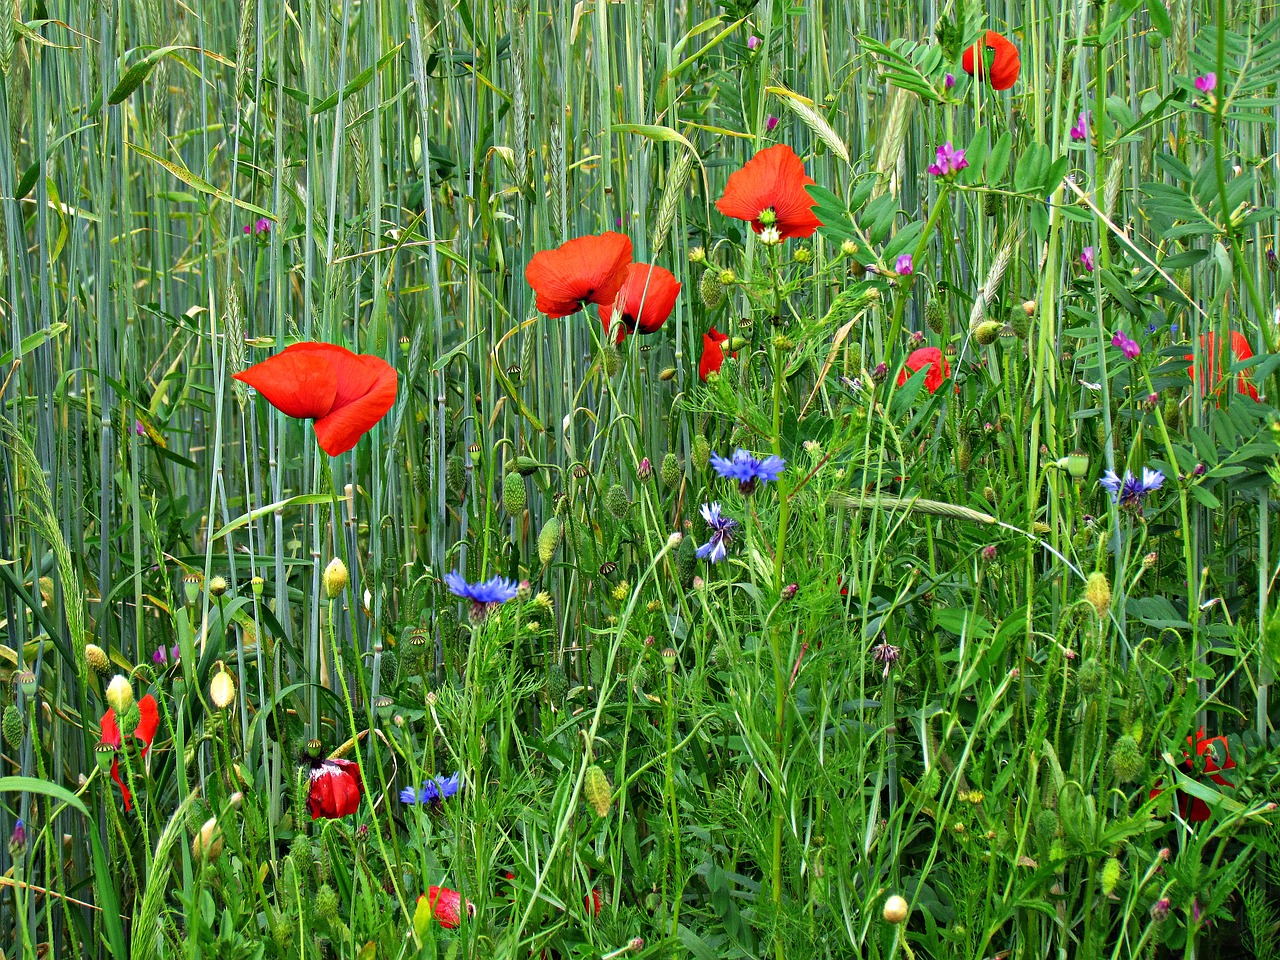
643 303
1005 62
932 358
148 723
1240 350
712 358
773 180
446 906
345 393
335 789
586 270
1193 809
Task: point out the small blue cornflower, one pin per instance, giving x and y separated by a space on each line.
717 547
1130 491
748 469
483 595
433 791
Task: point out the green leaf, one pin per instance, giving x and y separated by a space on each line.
199 183
132 78
246 518
358 83
961 620
655 131
998 159
1160 18
33 340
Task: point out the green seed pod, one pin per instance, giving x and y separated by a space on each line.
513 494
549 539
327 903
1126 760
557 684
710 289
390 667
991 204
13 726
617 502
1046 827
1089 678
686 561
596 790
670 470
935 316
701 452
986 332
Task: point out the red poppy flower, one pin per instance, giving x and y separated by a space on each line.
712 353
446 906
773 180
1193 809
932 358
593 902
1240 350
1005 62
148 723
644 302
335 789
586 270
345 393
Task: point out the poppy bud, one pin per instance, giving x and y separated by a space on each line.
802 255
217 586
935 316
1097 591
335 578
222 689
514 495
549 539
208 842
710 289
701 452
97 659
119 694
13 726
670 471
896 909
1089 678
986 332
612 360
617 501
597 791
667 374
1126 759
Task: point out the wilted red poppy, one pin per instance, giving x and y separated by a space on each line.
345 393
712 353
1005 62
932 358
446 906
335 789
643 303
586 270
1193 809
148 723
771 185
1240 350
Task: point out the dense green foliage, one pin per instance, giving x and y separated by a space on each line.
940 658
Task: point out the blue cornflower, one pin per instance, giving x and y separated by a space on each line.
748 469
484 595
1130 491
433 791
716 548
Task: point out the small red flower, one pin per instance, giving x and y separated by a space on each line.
446 906
1193 809
148 724
593 902
643 303
932 358
774 181
1005 62
586 270
712 353
345 393
335 789
1209 346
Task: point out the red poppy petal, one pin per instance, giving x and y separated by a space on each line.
773 179
648 297
124 791
349 421
299 383
148 722
584 270
446 906
712 358
110 729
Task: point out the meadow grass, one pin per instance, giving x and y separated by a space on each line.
940 659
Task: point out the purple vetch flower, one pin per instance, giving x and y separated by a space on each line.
949 81
1081 130
950 161
1129 491
752 42
139 429
433 791
904 267
163 656
770 124
1207 82
1126 344
748 469
717 547
258 227
1087 259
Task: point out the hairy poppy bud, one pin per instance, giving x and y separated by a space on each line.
1097 591
617 501
986 332
222 689
697 255
710 289
514 495
597 791
217 586
549 539
896 909
208 842
97 659
335 578
13 727
668 374
1126 759
119 694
